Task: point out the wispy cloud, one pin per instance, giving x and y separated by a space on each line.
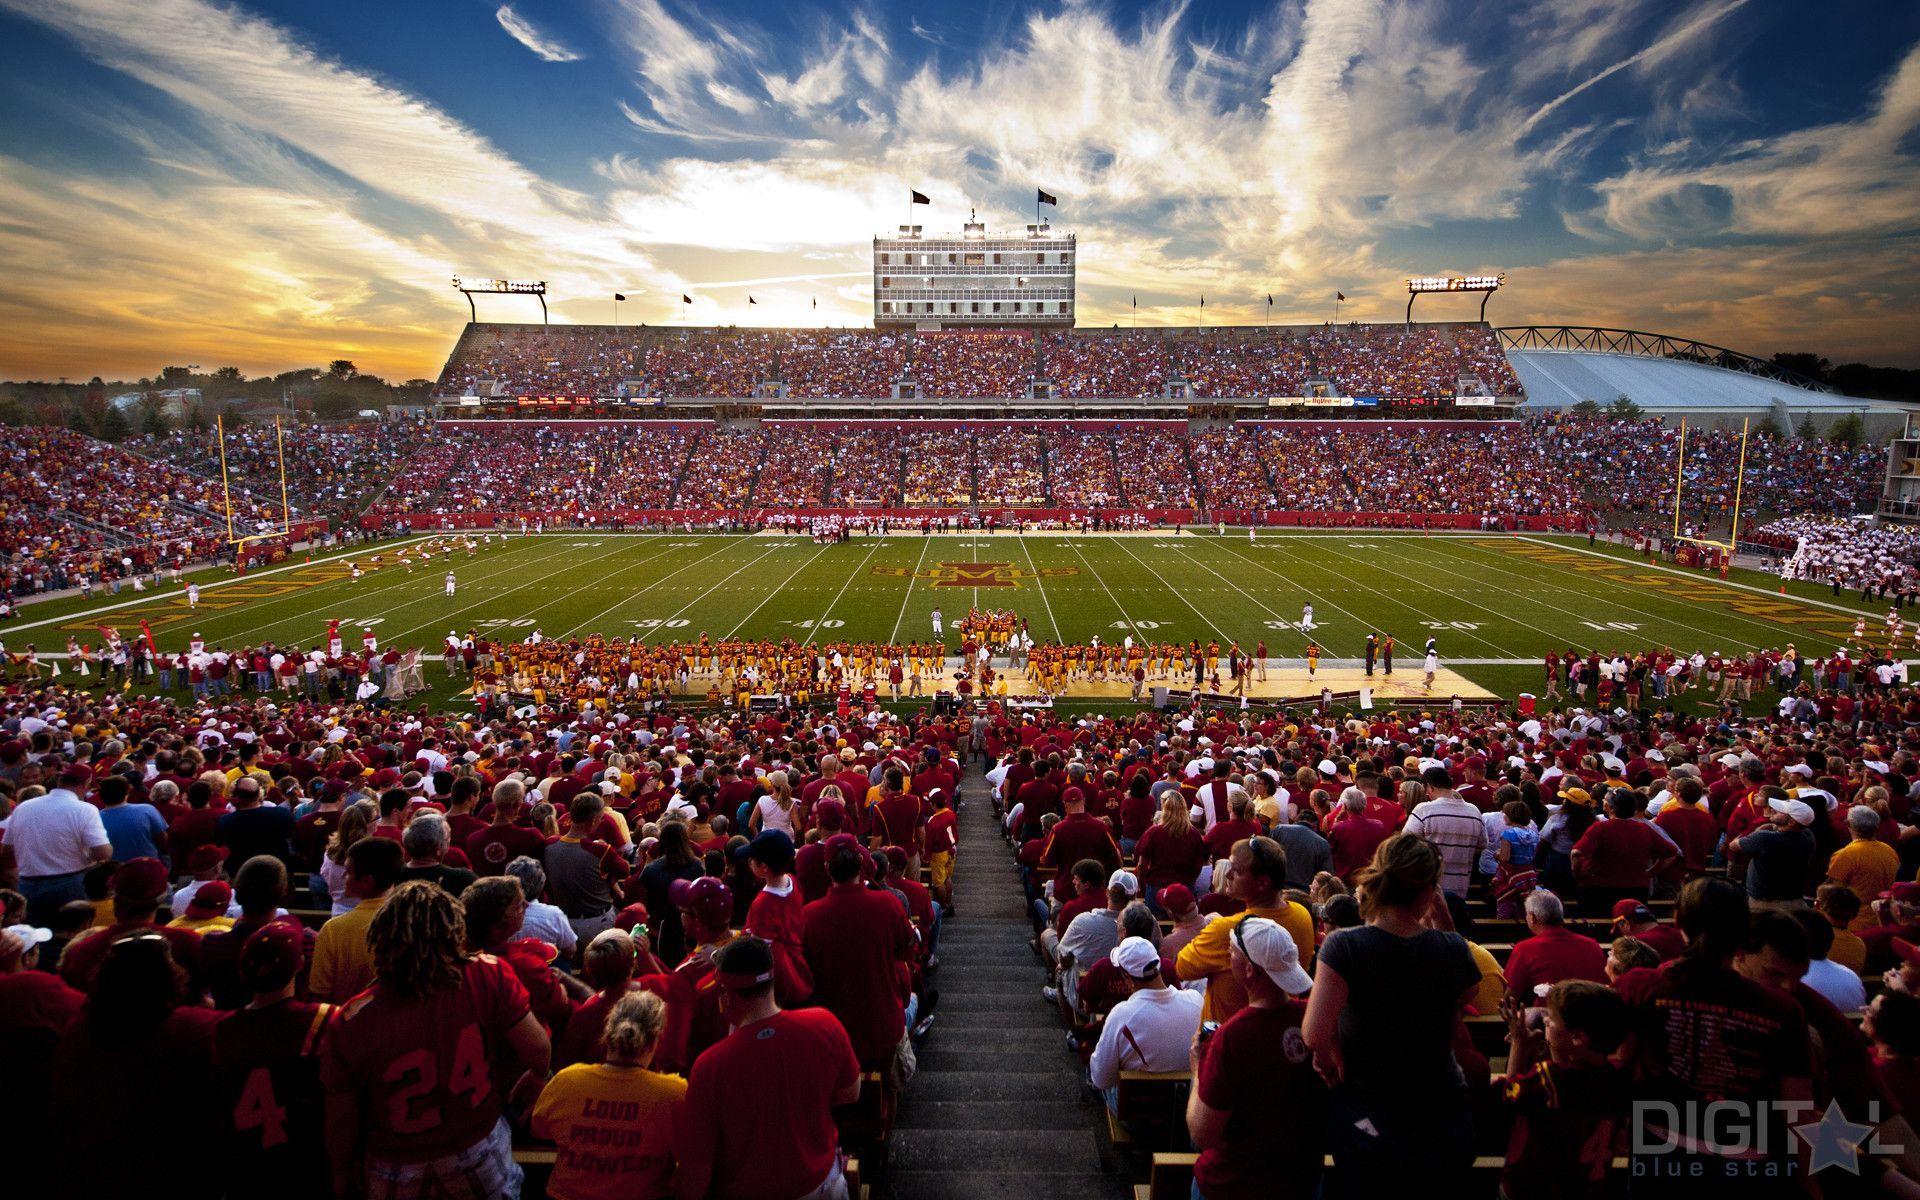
272 197
522 30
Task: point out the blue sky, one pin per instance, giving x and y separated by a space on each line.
272 184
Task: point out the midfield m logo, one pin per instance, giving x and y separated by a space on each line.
976 574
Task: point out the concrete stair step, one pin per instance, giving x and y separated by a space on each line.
961 1056
1004 1150
972 1185
995 1086
1011 1041
971 1011
1033 1115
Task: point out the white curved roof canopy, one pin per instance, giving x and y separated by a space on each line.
1564 378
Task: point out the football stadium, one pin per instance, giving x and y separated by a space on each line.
984 746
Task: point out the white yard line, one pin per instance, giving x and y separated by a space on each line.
851 576
716 586
1117 606
1042 585
1699 577
1501 566
538 581
804 564
894 638
722 549
1204 619
1431 621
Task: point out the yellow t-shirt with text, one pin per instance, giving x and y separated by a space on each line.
614 1128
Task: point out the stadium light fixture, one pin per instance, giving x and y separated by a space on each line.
536 288
1487 285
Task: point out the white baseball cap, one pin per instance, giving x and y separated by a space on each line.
1799 810
1136 956
18 939
1126 881
1270 947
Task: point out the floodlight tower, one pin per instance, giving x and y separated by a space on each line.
506 287
1419 285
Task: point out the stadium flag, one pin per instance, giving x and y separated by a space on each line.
619 297
1339 295
751 300
1203 302
147 634
816 304
917 198
1269 299
1047 197
685 299
107 632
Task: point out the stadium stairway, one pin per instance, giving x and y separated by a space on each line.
999 1108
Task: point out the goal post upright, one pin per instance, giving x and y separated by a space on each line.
226 489
1739 479
1679 475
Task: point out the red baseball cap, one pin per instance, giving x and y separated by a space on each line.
1176 897
211 898
706 899
633 914
141 880
1636 909
273 955
205 858
1908 952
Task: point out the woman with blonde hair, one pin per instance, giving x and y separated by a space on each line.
776 809
1171 850
1386 1048
619 1102
356 821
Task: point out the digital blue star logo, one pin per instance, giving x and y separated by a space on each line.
1834 1140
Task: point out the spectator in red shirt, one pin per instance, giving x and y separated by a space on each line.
858 943
759 1107
1353 836
1079 835
1617 859
1691 827
1554 952
1222 834
897 817
496 845
411 1070
1632 918
1172 851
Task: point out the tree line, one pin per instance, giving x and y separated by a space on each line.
97 408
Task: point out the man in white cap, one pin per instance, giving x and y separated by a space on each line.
1151 1030
1779 855
1256 1111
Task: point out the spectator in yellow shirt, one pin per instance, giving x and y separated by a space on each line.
1866 865
1256 876
614 1123
342 958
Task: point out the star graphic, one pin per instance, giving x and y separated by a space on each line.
1834 1140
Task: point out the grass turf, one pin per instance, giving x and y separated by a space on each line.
1495 603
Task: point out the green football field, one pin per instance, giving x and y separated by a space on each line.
1496 603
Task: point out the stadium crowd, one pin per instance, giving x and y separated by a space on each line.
331 470
1392 361
688 934
78 512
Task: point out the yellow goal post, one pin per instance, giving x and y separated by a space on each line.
1680 484
226 487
